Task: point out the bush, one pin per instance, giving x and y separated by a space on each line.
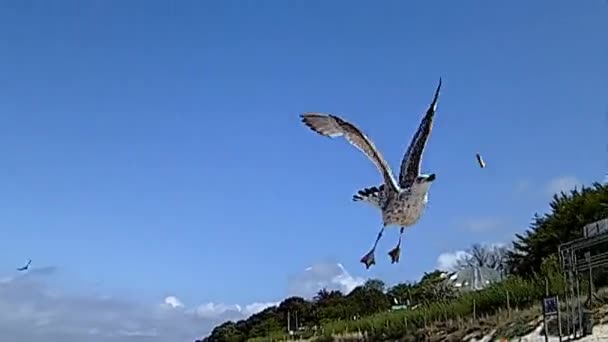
521 293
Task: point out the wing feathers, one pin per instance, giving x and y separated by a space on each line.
372 195
333 126
322 124
410 166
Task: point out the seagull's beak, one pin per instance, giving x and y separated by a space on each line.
431 177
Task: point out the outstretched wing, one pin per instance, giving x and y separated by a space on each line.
333 126
26 266
410 166
372 195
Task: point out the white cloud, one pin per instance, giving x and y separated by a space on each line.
254 308
330 275
212 310
564 183
173 302
32 310
231 311
447 261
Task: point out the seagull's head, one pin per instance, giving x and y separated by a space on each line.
422 179
423 182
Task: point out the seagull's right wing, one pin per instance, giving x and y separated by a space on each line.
410 165
333 126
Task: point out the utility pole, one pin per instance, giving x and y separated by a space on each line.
296 327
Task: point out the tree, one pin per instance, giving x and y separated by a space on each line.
364 300
433 287
325 296
401 293
300 312
375 284
225 332
478 255
569 213
329 305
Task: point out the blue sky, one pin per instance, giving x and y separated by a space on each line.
154 148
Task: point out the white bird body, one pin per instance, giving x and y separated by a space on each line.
402 202
404 212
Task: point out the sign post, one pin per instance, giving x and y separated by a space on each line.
551 308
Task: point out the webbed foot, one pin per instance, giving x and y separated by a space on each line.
394 254
369 259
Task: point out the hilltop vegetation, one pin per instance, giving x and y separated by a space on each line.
530 265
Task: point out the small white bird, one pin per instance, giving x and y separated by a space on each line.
401 203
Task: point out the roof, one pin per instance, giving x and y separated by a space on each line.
475 277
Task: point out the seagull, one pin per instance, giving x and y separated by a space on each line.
26 266
401 203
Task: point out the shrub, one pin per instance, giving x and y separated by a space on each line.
521 293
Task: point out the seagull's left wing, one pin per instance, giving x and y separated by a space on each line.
410 166
333 126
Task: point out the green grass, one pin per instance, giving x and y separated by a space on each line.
453 315
507 307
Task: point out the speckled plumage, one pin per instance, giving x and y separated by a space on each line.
405 212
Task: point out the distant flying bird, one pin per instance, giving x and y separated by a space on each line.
26 266
480 160
401 203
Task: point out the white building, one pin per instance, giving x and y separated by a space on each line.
472 278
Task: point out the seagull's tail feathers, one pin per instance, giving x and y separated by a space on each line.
372 195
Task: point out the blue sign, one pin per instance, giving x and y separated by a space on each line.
550 306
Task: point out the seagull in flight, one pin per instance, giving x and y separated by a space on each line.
26 266
401 203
